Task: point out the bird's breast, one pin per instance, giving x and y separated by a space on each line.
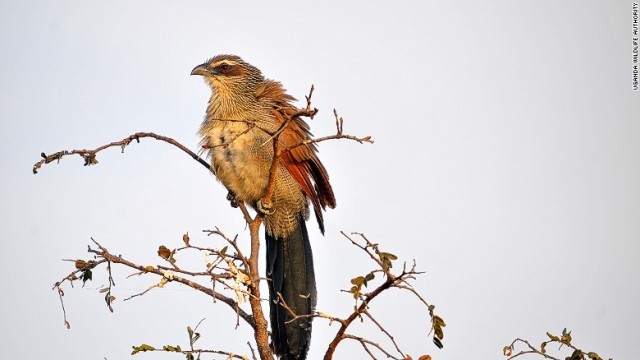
240 157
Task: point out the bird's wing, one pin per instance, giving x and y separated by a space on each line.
301 161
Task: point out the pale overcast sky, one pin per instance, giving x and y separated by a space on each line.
506 163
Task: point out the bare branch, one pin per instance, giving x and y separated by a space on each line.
250 125
261 332
364 342
198 352
64 312
564 341
90 155
253 353
338 135
368 314
105 256
363 300
340 335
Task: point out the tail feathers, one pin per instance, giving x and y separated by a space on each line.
291 275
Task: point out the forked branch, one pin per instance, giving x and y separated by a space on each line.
384 262
563 341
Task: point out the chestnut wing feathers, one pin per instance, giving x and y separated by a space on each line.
301 161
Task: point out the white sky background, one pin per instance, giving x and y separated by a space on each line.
506 162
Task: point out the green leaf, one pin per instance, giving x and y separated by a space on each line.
386 265
437 320
577 355
593 356
193 336
370 276
566 337
437 330
552 337
170 348
142 348
388 256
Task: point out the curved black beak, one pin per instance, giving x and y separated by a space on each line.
202 69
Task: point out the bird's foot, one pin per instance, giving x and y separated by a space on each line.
264 207
233 200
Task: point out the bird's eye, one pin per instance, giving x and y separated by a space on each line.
224 68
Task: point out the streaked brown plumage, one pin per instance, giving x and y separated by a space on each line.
244 112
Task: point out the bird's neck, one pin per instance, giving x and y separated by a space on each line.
230 105
232 100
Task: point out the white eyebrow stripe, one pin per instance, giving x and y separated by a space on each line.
224 61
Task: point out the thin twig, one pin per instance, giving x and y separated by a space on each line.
340 335
363 248
253 353
198 352
64 312
250 125
106 256
365 342
532 350
368 314
89 155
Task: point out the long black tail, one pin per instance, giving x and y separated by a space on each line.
290 273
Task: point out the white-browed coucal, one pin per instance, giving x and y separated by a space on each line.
244 114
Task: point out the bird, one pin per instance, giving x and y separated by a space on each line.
246 113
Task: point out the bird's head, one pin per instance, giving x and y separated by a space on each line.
229 75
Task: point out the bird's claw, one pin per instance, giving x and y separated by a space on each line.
233 200
264 208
